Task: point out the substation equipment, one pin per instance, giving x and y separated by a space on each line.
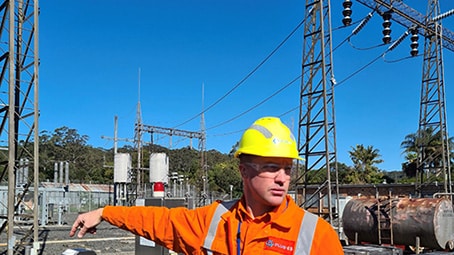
173 193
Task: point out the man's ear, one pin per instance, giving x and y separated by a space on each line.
243 172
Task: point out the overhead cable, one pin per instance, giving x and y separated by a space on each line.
354 32
247 76
390 48
257 105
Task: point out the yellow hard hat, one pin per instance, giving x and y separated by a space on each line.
268 137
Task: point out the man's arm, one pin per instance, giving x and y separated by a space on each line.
87 223
177 229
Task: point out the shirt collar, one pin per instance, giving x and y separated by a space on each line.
277 216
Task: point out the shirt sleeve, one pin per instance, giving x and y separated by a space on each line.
326 241
178 229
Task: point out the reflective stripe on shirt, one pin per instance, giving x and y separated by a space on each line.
306 234
220 210
303 242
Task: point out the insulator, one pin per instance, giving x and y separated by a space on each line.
398 41
386 27
386 35
443 15
386 15
347 12
414 42
362 24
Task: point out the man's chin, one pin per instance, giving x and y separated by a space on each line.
276 200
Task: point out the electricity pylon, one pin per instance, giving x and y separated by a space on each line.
19 136
317 133
433 159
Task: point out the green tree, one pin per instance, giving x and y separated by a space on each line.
89 164
347 174
364 160
427 142
226 173
67 145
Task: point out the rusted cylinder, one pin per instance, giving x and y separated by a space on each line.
430 219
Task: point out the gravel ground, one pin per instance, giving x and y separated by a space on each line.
108 240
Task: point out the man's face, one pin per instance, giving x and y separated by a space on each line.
267 179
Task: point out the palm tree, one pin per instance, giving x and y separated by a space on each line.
363 157
364 160
428 145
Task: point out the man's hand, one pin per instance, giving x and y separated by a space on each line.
86 223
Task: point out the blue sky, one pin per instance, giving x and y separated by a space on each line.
91 53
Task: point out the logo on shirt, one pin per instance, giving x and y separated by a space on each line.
279 245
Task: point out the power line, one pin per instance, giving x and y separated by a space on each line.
247 76
409 17
355 31
362 23
400 59
359 70
390 48
256 105
242 130
368 48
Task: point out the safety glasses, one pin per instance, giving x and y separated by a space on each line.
270 170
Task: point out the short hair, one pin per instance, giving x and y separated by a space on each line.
246 157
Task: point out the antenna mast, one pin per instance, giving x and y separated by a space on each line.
202 148
136 176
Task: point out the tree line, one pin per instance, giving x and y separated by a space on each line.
95 165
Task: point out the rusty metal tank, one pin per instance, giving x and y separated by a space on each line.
429 219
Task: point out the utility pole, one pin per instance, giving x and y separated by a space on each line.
115 138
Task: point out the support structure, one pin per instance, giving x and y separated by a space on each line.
136 188
317 133
171 132
203 155
433 158
19 134
432 114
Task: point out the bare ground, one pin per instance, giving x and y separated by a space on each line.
54 239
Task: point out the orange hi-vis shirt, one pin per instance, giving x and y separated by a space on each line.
184 231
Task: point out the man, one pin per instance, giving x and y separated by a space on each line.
264 221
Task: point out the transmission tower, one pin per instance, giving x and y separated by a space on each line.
433 108
317 133
19 125
433 159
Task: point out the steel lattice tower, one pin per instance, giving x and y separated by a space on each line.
432 109
317 133
433 159
19 134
